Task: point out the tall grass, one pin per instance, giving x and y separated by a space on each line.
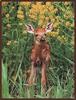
17 45
5 84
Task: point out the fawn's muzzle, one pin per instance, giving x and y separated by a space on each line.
42 39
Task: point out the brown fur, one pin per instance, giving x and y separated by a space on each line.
40 54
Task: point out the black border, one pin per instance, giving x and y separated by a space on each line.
74 4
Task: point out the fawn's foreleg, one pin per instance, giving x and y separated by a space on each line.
43 77
32 77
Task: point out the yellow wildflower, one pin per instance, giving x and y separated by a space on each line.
20 16
59 38
53 34
41 17
53 20
20 8
48 3
40 23
8 25
57 30
33 17
20 12
55 24
15 41
72 24
56 9
43 6
50 8
62 39
67 24
8 43
25 3
33 6
66 3
38 3
47 19
7 15
13 7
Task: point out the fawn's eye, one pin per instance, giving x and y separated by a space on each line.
45 34
36 35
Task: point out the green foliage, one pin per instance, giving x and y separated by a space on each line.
17 45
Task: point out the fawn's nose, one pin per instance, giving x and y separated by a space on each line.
42 39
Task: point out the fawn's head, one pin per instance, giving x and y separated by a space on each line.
39 33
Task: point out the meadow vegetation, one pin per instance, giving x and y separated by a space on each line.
17 45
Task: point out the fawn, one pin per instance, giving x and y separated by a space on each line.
40 53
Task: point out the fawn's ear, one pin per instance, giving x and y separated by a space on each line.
29 28
49 27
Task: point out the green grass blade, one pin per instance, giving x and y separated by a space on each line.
5 84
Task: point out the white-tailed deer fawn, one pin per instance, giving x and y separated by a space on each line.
40 52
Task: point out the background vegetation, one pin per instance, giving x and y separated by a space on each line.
17 44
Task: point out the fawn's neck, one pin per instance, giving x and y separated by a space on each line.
40 43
